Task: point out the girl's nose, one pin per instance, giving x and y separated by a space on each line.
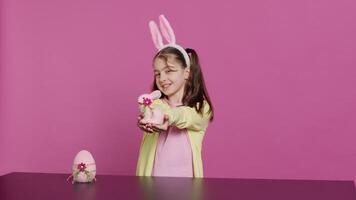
162 78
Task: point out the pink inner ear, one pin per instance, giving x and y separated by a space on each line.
156 35
167 30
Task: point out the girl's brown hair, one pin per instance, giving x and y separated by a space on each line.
195 91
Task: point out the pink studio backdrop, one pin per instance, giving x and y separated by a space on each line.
281 75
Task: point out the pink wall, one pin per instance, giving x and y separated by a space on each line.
281 75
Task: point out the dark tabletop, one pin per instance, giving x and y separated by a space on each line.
38 186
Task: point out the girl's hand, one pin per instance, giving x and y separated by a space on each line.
160 127
143 126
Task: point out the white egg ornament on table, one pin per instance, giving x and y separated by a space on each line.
84 168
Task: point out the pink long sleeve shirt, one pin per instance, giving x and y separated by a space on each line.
173 153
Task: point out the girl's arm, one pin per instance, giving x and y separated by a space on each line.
187 117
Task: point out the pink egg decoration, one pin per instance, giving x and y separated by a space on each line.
84 168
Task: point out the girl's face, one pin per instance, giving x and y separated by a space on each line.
170 76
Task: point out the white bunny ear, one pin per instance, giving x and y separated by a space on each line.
167 30
156 94
156 35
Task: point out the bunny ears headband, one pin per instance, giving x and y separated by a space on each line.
168 34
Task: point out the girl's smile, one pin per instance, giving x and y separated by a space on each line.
165 86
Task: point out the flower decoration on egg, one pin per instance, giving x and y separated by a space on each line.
81 167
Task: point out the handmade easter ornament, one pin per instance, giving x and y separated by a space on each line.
168 34
151 114
84 168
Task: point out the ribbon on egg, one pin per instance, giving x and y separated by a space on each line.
82 168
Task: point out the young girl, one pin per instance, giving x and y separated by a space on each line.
173 148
